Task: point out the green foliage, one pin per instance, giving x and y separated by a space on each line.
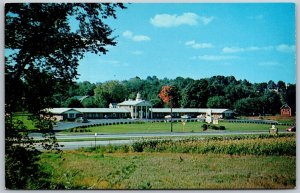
73 103
214 92
110 91
195 94
41 63
233 145
218 102
22 170
90 102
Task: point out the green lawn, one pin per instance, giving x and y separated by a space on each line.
177 127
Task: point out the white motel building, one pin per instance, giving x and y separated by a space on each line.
134 109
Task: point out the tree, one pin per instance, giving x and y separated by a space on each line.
217 102
90 102
42 54
110 91
281 86
195 94
248 106
260 87
271 85
73 103
290 97
271 102
85 88
169 95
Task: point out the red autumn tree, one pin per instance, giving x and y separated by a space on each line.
169 95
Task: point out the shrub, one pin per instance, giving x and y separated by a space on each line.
137 147
222 127
214 127
204 126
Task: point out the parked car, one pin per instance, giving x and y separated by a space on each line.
168 117
81 120
185 117
291 129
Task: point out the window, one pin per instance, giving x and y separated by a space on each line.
71 115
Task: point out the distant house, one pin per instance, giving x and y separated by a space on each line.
285 110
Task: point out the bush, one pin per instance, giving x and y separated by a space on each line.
214 127
204 126
232 145
222 127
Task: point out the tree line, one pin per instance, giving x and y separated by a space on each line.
244 97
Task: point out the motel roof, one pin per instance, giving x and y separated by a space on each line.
124 110
189 110
88 110
135 103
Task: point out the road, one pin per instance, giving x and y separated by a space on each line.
131 137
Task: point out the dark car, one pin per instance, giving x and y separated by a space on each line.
291 129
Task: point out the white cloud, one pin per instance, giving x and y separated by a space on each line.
280 48
285 48
216 57
196 45
137 38
114 63
128 34
140 38
230 50
206 20
167 20
137 52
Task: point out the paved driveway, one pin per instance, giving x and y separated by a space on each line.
68 125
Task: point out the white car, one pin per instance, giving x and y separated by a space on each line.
168 117
185 117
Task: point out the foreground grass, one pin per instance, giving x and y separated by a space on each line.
165 127
89 170
163 165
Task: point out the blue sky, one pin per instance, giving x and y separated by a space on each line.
249 41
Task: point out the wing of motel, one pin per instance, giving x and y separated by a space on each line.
134 109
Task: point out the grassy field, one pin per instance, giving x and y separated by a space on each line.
177 127
118 167
83 170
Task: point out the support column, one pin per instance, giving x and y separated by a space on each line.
135 112
141 113
146 112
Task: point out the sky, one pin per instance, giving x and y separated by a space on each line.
199 40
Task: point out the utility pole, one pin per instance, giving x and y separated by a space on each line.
171 118
95 139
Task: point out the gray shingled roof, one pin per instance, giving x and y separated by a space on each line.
135 103
88 110
189 110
